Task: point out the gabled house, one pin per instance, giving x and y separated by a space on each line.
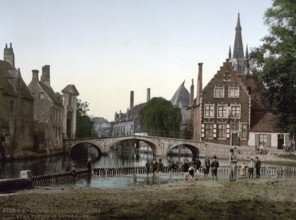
48 113
231 110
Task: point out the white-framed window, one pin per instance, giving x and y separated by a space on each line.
235 111
209 128
209 110
233 92
219 92
222 111
222 130
244 131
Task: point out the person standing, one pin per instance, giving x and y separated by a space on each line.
214 168
207 164
251 166
89 166
185 169
233 165
243 169
257 167
147 166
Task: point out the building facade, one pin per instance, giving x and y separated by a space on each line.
16 109
231 110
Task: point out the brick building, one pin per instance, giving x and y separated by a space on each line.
230 109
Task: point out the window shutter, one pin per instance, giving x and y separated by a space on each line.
256 139
269 140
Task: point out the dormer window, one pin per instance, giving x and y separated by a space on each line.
41 95
219 92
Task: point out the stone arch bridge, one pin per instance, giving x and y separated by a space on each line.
159 145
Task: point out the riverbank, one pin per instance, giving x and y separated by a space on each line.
198 199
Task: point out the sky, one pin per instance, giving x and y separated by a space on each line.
107 48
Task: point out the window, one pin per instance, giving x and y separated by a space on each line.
222 130
234 127
41 95
244 132
218 92
209 110
222 111
233 92
263 139
209 130
235 111
227 76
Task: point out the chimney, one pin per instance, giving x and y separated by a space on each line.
199 83
35 75
45 77
148 94
132 100
9 55
191 94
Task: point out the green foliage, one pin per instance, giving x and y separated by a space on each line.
84 124
160 117
274 62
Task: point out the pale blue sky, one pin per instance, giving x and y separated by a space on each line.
109 47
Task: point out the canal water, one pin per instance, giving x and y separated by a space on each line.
63 163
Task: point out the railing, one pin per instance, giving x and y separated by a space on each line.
54 179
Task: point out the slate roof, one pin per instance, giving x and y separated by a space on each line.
5 85
52 95
263 121
181 96
71 89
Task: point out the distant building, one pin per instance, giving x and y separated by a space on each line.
182 100
16 109
102 127
128 123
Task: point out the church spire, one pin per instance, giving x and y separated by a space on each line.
229 53
238 50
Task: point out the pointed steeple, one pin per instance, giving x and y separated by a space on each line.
238 50
229 53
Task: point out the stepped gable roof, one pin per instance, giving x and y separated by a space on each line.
181 96
52 95
70 89
263 121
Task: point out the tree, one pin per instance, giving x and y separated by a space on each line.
274 63
84 124
160 117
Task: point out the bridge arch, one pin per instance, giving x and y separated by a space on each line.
92 143
192 147
152 144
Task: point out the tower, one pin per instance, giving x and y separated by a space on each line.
9 55
238 59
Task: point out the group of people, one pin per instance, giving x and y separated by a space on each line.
154 166
253 165
196 166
